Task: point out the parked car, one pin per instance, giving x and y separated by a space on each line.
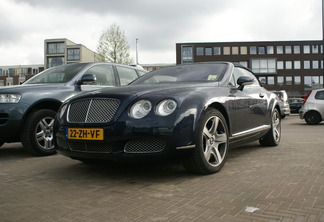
27 111
313 107
283 102
295 104
193 112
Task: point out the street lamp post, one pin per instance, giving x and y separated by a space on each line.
137 51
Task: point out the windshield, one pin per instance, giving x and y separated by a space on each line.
185 73
59 74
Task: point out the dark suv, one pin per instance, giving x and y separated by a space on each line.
27 111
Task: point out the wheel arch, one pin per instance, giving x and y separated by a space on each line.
222 109
44 104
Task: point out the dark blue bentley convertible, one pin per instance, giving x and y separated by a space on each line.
192 112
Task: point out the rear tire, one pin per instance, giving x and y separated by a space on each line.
272 138
37 135
212 142
313 118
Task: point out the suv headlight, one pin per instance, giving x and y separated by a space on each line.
9 98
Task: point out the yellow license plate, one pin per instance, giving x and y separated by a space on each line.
85 133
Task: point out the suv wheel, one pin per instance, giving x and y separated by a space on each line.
37 135
313 118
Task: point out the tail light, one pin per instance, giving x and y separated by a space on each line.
306 97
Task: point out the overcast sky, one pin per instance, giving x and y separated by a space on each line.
159 25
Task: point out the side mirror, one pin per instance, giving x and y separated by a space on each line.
86 79
244 81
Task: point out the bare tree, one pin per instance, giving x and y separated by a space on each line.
113 46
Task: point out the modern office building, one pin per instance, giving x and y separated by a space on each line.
295 66
64 51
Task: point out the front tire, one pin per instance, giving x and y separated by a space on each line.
212 142
37 135
272 138
313 118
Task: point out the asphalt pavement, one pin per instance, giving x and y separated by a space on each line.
283 183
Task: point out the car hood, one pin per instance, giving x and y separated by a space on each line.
31 88
152 90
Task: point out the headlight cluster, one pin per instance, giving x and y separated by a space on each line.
9 98
143 107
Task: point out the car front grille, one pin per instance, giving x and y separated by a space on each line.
95 110
145 146
90 147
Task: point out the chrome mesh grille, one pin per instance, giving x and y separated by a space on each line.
145 146
96 110
90 147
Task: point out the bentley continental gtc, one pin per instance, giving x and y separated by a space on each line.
194 113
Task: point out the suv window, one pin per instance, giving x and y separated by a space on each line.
104 73
319 95
126 75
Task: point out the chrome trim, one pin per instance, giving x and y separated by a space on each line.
251 131
186 147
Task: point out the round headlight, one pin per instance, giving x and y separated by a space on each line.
140 109
166 107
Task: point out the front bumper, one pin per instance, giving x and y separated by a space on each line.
129 139
11 120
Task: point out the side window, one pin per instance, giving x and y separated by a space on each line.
319 95
126 75
104 73
238 72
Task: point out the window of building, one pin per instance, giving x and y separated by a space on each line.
227 50
208 51
280 65
235 50
244 63
243 50
280 80
288 49
312 82
315 49
288 80
186 54
199 51
307 64
296 49
296 64
279 49
315 64
306 49
288 64
263 65
73 54
261 50
270 50
297 80
55 61
263 80
253 50
270 80
217 50
55 48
